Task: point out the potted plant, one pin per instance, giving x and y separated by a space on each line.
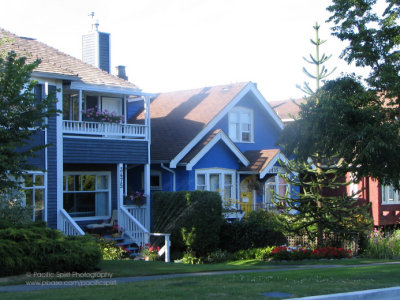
150 253
137 198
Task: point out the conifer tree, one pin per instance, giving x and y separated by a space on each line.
321 204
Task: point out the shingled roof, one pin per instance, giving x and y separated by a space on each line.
58 63
177 117
259 159
286 109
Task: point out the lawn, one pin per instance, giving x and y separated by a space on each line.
233 286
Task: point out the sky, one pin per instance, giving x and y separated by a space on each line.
169 45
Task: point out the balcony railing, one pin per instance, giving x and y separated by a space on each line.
132 131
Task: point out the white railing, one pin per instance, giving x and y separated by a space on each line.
68 225
105 129
138 212
131 226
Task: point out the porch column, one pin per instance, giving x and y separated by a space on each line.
120 187
146 178
80 105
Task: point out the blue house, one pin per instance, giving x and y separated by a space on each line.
83 174
219 138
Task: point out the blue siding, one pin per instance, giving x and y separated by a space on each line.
219 156
52 170
265 131
37 161
98 151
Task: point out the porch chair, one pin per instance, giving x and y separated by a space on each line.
105 225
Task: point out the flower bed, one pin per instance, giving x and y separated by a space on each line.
299 253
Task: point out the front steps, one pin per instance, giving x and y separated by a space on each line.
126 243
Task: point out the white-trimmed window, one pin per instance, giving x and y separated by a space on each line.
87 195
241 125
389 195
274 185
218 180
35 194
155 180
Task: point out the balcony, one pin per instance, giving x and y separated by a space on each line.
110 130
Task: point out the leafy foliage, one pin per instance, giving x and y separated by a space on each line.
193 218
373 40
344 120
12 209
321 203
258 229
22 116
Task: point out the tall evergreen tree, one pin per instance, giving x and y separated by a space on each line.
321 171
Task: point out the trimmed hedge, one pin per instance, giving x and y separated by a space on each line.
257 230
193 218
37 248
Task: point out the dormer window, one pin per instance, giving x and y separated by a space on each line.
241 127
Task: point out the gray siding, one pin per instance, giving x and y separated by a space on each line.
98 151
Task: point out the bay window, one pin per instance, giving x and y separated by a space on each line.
87 195
217 180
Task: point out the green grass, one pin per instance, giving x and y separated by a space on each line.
298 283
129 268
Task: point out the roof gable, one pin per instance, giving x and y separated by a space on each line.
58 64
206 145
262 161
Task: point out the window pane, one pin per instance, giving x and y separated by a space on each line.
71 182
39 204
246 137
28 180
201 182
75 107
102 182
245 118
233 131
88 183
227 186
91 102
29 197
80 204
234 117
214 182
66 107
39 180
155 181
102 204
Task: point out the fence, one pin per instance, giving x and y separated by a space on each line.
329 239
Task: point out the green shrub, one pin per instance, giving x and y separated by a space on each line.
191 259
110 250
12 209
253 253
193 218
257 230
218 256
37 248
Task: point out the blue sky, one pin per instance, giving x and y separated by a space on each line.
181 44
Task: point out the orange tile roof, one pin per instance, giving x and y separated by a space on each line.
177 117
259 159
57 62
